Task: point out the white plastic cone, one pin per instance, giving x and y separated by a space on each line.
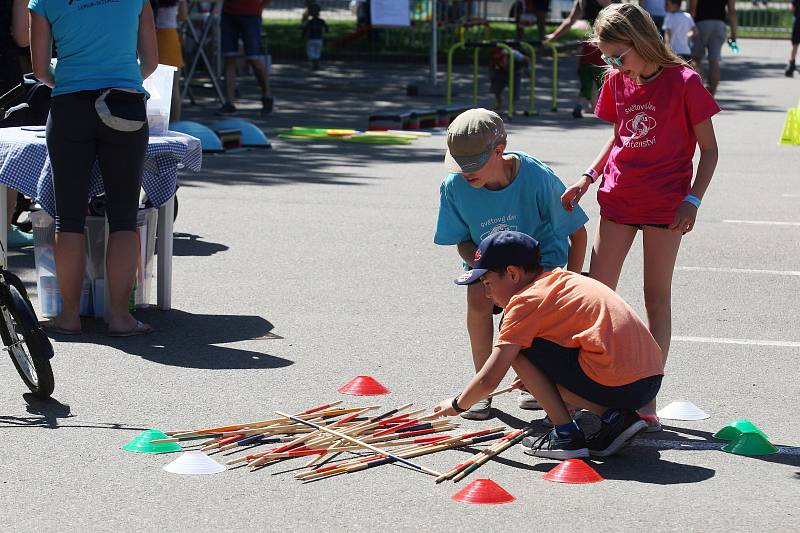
194 463
682 411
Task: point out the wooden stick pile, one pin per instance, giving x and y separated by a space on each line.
324 432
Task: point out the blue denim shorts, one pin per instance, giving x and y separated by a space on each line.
246 27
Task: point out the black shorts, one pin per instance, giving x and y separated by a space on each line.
541 6
561 365
796 31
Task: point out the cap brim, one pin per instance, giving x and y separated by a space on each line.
471 276
465 164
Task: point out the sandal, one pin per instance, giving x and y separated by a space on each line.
139 329
49 326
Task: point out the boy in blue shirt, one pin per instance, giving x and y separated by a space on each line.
491 190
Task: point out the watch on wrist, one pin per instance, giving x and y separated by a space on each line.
455 406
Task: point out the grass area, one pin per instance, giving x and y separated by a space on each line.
285 38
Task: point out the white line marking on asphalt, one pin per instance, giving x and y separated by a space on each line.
763 222
791 195
698 445
741 271
749 342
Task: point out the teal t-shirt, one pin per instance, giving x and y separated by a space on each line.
531 204
97 42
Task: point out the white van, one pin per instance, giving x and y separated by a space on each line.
504 9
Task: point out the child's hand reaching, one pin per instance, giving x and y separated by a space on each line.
574 193
445 408
684 218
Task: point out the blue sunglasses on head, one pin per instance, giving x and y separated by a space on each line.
615 61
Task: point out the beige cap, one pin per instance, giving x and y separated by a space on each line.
471 138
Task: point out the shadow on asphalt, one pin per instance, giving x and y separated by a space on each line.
49 414
188 245
190 340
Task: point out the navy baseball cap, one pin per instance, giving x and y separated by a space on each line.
499 250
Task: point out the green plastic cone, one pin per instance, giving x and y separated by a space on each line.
142 443
750 444
736 428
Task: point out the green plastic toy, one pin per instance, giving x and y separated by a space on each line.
142 443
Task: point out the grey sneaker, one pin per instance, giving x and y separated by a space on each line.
480 411
527 401
553 446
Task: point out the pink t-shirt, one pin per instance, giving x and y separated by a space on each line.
649 171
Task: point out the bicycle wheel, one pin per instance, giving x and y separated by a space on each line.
28 346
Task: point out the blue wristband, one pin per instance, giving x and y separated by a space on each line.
694 200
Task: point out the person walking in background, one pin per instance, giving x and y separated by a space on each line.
313 30
13 35
170 51
242 19
791 67
97 113
710 17
591 66
678 29
523 13
657 11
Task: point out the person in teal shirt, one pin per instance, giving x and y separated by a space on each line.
491 190
106 48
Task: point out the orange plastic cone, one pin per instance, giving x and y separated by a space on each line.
483 491
364 386
573 471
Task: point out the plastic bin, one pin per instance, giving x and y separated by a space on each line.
159 85
92 298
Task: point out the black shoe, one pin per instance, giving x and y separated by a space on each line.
551 445
790 68
613 436
267 103
226 109
577 111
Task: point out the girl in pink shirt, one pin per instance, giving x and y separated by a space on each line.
661 112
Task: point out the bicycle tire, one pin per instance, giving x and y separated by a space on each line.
27 345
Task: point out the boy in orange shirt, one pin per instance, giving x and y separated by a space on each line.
570 339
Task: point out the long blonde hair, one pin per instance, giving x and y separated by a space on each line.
630 24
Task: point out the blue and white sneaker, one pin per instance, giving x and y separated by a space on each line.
551 445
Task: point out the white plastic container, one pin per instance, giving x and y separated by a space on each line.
159 85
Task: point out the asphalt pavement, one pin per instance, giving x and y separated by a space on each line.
300 267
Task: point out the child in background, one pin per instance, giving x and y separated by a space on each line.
491 190
498 73
678 29
170 51
590 64
571 340
661 112
795 40
313 30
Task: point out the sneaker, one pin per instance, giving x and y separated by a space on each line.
576 415
267 103
790 68
479 411
577 111
551 445
653 423
226 109
614 435
527 401
18 238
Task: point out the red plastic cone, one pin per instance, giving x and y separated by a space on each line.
483 491
573 471
364 386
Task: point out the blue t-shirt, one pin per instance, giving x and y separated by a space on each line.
97 42
530 204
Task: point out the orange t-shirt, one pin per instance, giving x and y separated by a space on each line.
575 311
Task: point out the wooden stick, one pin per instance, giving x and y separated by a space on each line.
378 461
500 391
461 466
498 449
363 444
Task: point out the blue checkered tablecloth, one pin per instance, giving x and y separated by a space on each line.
25 165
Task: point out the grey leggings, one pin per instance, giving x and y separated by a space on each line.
76 137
